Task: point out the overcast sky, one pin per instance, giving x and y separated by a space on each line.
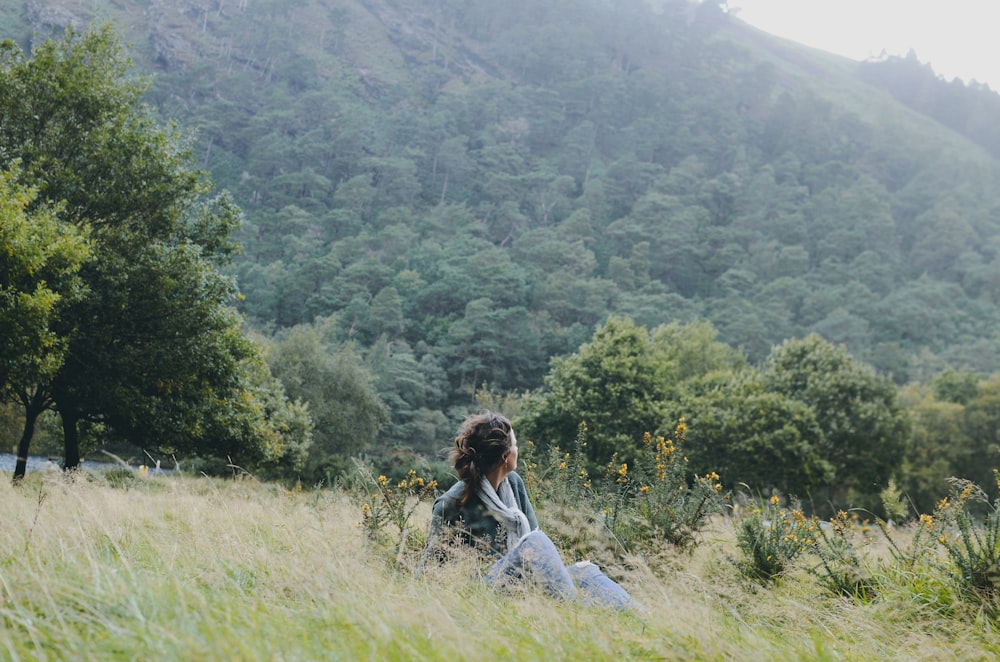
957 37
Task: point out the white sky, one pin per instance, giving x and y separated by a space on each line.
957 37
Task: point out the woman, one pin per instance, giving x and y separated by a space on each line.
489 508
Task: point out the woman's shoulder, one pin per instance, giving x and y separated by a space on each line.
449 500
516 482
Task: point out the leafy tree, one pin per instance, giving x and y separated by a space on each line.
691 350
958 386
862 424
414 390
977 460
339 390
937 442
40 260
750 435
154 351
612 384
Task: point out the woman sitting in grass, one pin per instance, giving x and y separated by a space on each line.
489 509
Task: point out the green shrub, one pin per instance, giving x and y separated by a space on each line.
972 541
654 501
771 538
841 569
387 510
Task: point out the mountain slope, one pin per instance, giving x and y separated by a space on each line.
476 184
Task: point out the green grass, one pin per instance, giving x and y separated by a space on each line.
196 568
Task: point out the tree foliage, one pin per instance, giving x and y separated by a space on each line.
40 260
752 436
153 351
464 210
611 385
864 429
344 406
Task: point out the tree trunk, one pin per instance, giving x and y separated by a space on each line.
444 189
71 441
30 418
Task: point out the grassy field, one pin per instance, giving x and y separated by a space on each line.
196 568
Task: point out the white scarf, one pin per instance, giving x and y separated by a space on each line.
503 507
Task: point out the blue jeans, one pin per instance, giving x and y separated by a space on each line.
535 559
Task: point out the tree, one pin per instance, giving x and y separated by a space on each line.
413 390
611 384
339 390
40 260
937 443
977 461
154 353
863 426
749 435
692 350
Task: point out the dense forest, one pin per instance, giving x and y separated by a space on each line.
440 196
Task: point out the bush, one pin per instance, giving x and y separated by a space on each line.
656 500
387 510
973 547
771 538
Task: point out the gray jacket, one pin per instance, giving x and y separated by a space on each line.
472 524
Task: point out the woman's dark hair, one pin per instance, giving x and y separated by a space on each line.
482 443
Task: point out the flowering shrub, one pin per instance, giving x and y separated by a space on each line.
655 499
840 569
771 538
389 507
673 505
973 547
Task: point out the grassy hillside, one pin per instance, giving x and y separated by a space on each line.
173 568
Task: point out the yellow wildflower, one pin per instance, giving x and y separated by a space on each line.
623 474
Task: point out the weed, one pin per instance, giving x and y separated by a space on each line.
656 500
390 507
674 504
841 569
972 547
771 538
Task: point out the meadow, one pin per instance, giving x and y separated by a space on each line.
182 567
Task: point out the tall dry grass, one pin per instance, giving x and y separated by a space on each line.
196 568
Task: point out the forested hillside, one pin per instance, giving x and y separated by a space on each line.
451 192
